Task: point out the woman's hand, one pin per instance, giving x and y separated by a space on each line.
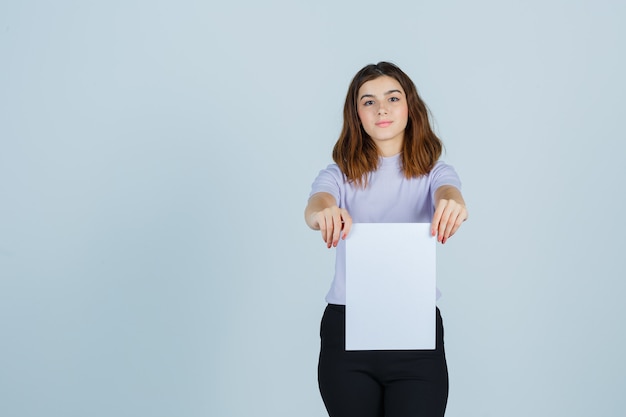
323 214
450 213
333 222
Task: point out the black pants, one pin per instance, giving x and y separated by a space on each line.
377 383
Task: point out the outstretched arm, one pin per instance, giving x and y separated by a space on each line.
322 214
450 212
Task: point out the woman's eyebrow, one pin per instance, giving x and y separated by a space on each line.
386 94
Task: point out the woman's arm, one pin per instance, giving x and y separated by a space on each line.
450 212
322 214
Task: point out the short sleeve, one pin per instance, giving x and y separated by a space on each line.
329 180
443 174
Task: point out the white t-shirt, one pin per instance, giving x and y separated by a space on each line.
388 198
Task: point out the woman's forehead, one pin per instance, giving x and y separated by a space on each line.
380 86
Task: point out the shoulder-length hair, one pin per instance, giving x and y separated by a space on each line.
356 153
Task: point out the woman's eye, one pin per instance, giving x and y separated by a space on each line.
394 99
368 103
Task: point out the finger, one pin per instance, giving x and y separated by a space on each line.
455 212
449 226
321 222
456 226
455 221
459 221
336 229
328 236
347 224
436 219
443 224
324 229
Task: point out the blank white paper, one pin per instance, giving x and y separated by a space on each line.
390 286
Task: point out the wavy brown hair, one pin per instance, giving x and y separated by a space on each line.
356 153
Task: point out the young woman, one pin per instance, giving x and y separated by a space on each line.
387 171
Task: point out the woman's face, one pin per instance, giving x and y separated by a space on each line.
384 113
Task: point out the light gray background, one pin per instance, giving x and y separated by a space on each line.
156 158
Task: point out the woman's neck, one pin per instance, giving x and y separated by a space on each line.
389 148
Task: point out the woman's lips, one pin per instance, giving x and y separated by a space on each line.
384 123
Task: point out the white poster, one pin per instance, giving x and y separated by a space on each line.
390 286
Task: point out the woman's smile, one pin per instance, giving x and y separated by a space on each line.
384 123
